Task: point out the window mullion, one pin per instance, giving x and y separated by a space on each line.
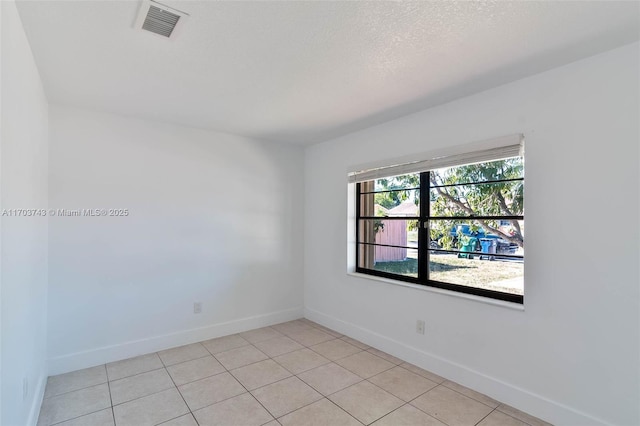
423 231
358 201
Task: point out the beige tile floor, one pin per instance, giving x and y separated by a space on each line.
290 374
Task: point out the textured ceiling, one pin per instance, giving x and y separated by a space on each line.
304 72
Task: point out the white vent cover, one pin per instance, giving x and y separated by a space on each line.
160 19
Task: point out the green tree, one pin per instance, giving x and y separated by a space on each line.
398 186
449 198
497 198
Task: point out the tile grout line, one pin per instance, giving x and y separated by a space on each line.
422 411
149 394
241 384
423 393
77 417
252 396
506 414
121 378
441 420
108 382
140 397
228 350
225 371
263 386
197 380
241 366
84 387
292 375
477 400
413 406
296 375
166 366
300 408
217 402
280 380
342 357
235 378
431 380
340 408
75 390
181 415
408 402
137 374
179 393
342 337
182 362
86 414
327 396
113 413
480 421
333 393
384 390
312 328
310 347
187 360
287 335
460 393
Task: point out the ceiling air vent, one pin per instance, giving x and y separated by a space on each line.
159 18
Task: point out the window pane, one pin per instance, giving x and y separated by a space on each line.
397 182
484 199
499 274
389 232
392 203
509 168
400 261
480 258
490 236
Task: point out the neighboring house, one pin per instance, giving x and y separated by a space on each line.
380 210
394 232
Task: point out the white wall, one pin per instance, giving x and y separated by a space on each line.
572 355
214 218
23 179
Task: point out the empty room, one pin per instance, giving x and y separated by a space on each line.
327 213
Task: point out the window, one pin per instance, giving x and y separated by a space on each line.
454 222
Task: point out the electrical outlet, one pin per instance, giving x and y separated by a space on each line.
25 388
420 327
197 307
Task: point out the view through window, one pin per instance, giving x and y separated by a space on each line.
460 228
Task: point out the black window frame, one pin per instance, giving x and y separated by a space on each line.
424 248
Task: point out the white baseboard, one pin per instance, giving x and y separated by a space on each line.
529 402
103 355
38 396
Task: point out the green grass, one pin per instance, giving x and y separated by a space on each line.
405 267
496 275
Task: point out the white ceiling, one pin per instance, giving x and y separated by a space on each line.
302 71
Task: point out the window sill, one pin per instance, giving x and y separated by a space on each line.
488 301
